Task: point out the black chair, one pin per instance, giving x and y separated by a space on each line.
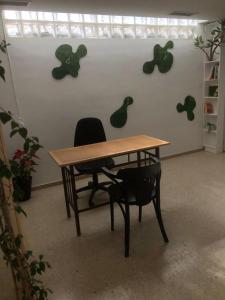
90 131
136 186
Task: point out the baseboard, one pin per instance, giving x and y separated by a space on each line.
58 182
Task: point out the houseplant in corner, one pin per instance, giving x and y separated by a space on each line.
210 46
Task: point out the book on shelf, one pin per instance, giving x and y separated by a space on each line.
214 72
210 127
213 91
208 108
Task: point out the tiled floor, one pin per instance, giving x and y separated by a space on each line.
190 267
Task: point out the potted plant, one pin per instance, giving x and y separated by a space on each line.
23 163
210 46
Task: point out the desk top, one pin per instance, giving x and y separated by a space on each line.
81 154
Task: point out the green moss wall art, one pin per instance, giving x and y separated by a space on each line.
188 106
70 61
119 118
162 58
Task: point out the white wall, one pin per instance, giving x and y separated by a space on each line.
111 71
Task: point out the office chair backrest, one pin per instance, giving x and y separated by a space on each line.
141 182
89 131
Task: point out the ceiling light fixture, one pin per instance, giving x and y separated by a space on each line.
182 14
14 2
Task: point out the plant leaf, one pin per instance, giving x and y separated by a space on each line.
19 210
2 73
4 116
23 132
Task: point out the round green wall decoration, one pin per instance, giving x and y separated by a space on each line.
188 106
162 58
70 61
119 118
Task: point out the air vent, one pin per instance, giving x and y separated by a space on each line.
182 14
14 3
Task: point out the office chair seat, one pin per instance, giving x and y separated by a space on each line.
95 165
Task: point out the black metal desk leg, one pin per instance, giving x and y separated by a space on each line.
138 158
63 170
74 197
157 152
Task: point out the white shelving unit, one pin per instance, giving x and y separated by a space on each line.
213 105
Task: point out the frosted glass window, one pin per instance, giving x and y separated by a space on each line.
152 21
45 16
182 22
140 32
89 18
13 30
61 17
46 30
128 32
151 32
30 30
76 18
11 15
77 31
162 33
193 22
128 20
90 32
28 15
117 32
162 21
140 20
62 30
104 32
22 23
103 19
116 20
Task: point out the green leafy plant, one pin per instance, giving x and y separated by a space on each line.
3 46
210 46
26 269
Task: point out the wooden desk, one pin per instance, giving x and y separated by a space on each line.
67 158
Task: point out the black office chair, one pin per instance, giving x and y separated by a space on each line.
90 131
136 186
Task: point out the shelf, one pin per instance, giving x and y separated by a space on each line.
211 131
211 98
211 80
211 115
212 62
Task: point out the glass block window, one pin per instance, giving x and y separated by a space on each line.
75 25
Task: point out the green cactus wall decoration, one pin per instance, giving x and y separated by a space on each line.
162 58
70 61
188 106
119 118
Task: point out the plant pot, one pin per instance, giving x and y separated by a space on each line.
23 186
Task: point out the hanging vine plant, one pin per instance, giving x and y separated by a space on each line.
26 269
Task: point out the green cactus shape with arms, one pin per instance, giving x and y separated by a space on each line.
162 58
188 106
70 61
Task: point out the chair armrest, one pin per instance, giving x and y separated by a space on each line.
110 174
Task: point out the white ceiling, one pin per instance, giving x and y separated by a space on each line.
204 9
